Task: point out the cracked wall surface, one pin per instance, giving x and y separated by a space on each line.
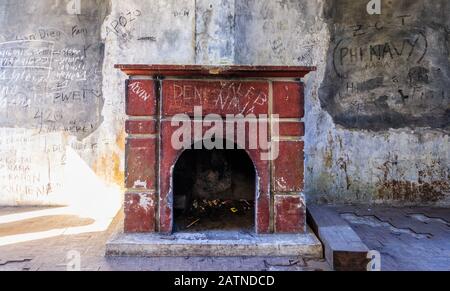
377 109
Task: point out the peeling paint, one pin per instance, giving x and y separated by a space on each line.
281 182
391 191
140 184
146 203
426 188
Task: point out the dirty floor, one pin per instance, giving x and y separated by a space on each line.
47 238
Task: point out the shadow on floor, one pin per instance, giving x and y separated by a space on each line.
51 253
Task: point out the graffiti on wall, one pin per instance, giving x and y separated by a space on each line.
388 72
51 75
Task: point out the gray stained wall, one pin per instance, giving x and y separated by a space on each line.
51 66
378 114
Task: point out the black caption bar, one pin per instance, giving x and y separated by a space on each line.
215 280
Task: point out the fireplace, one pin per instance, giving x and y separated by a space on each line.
214 190
214 148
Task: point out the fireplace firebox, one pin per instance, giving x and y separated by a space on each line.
214 148
214 190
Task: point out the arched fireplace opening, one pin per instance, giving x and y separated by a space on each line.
214 190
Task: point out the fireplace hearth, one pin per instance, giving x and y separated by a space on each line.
214 162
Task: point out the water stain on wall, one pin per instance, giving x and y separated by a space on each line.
110 165
432 184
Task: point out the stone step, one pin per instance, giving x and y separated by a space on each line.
215 244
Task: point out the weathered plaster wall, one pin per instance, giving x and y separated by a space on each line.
51 105
385 89
377 108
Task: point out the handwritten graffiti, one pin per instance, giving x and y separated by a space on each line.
121 25
136 88
347 53
41 74
26 54
227 97
388 71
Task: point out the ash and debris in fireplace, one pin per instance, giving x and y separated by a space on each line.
214 190
209 214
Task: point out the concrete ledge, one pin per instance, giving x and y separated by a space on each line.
215 244
344 250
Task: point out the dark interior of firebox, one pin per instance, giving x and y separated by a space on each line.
214 190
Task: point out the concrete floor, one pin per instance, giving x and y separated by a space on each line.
408 238
46 238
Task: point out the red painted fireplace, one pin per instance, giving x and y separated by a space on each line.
160 98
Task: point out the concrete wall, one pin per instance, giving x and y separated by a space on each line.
378 115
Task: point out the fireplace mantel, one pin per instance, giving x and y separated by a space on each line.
216 71
156 93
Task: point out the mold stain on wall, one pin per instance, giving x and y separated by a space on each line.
431 186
